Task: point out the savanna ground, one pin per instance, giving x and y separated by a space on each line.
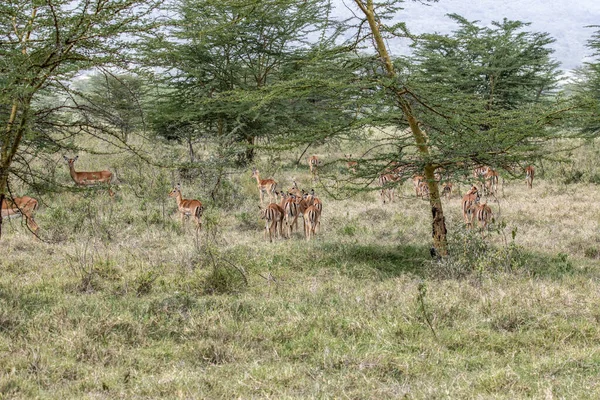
120 301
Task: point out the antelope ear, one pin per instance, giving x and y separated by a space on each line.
76 157
66 158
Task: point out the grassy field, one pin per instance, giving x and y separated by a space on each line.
120 301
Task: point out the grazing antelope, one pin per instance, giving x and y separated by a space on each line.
89 178
273 216
387 191
350 163
470 199
313 163
264 186
187 208
312 218
417 179
529 174
483 213
491 182
21 207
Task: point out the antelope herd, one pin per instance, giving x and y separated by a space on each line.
285 207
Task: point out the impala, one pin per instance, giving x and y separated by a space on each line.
479 172
447 190
89 178
529 174
311 221
313 163
303 203
387 191
294 189
21 207
273 216
314 201
491 181
290 211
187 208
264 186
423 189
483 213
350 163
470 199
417 179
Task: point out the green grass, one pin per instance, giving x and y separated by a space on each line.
122 302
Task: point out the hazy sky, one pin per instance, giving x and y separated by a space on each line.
564 20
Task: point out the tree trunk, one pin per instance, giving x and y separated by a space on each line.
191 149
438 221
250 149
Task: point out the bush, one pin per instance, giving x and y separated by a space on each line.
469 253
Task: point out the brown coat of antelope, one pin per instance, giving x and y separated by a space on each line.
417 179
470 199
294 189
82 178
529 174
447 190
312 218
479 172
187 208
290 211
313 163
21 206
350 163
387 191
483 214
267 186
273 216
314 201
491 182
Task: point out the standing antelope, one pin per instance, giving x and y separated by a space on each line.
479 172
447 190
470 199
290 211
21 206
89 178
529 174
483 213
264 186
314 201
312 218
187 207
387 191
294 189
303 203
350 163
417 179
273 216
491 181
313 163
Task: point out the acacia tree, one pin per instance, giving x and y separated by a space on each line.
586 88
42 46
113 99
219 60
462 97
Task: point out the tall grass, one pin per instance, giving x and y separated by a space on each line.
121 301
